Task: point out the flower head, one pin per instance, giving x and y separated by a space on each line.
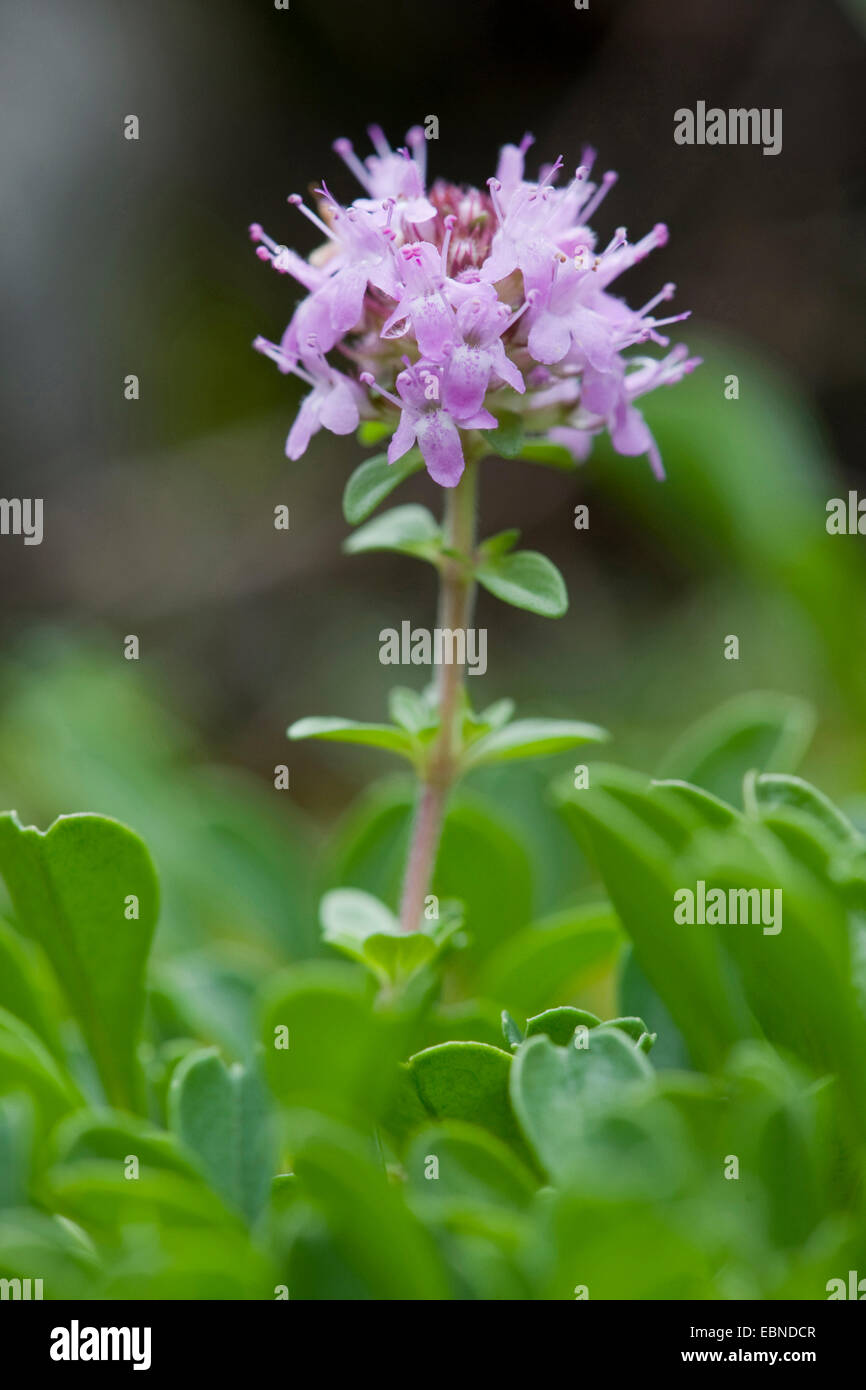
449 305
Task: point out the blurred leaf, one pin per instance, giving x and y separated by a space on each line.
634 840
474 1168
362 927
544 960
222 1115
27 1066
385 736
774 790
532 738
526 579
70 887
556 1090
409 530
559 1024
370 484
480 864
24 989
16 1145
99 1197
386 1244
766 732
90 1135
324 1047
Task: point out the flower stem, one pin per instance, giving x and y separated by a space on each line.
456 598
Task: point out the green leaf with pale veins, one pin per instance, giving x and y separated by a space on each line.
525 579
71 887
371 483
223 1116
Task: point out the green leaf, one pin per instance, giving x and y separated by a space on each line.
16 1145
410 710
767 732
634 840
27 1066
559 1024
532 738
709 809
481 863
88 1135
507 441
510 1030
26 986
774 790
365 929
381 1239
526 579
222 1115
466 1081
337 730
71 888
325 1048
500 544
411 530
474 1168
547 959
556 1091
98 1196
372 431
371 483
550 455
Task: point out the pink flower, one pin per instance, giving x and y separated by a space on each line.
448 305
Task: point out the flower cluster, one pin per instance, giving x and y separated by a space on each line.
450 305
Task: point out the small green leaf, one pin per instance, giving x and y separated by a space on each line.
532 738
222 1116
500 544
526 579
373 481
507 440
89 1135
72 888
410 710
559 1024
550 455
336 730
510 1030
372 431
362 927
775 790
466 1081
411 530
27 1066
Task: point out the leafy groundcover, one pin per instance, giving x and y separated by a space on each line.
597 1102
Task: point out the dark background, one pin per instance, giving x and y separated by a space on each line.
124 257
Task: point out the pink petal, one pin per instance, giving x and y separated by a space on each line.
439 441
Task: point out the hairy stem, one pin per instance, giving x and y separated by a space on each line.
456 597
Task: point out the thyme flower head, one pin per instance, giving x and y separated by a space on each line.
435 309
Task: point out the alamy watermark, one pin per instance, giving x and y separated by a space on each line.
22 516
443 646
717 907
736 126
